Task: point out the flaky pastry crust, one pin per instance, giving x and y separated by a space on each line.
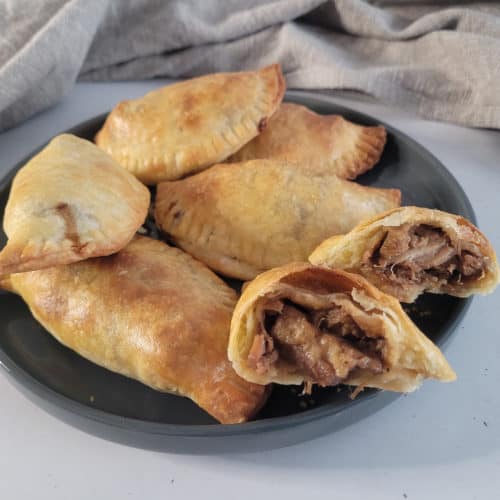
408 356
320 144
68 203
243 218
149 312
186 127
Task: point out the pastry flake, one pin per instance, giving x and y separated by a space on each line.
70 202
411 250
243 218
320 144
152 313
305 324
188 126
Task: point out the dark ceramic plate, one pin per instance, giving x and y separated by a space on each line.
114 407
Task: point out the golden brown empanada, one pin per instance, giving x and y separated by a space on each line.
411 250
188 126
152 313
321 144
243 218
301 323
70 202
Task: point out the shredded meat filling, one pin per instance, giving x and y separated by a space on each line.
424 255
324 345
262 353
338 322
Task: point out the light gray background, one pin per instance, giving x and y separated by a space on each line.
441 442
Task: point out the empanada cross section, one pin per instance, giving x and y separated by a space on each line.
301 323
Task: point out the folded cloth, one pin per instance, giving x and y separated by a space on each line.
441 59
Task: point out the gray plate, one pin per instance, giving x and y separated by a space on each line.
116 408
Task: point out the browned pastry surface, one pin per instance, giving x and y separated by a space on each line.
243 218
188 126
70 202
319 144
152 313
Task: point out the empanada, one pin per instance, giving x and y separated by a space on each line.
301 323
152 313
320 144
70 202
411 250
188 126
243 218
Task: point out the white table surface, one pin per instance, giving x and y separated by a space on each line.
441 442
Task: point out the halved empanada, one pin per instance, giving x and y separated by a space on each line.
243 218
301 323
321 144
70 202
186 127
152 313
411 250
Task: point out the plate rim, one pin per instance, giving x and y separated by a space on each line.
35 386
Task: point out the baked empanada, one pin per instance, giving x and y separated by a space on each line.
301 323
152 313
411 250
188 126
70 202
320 144
243 218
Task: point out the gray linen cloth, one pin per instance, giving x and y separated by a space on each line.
442 58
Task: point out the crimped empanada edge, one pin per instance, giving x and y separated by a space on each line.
169 166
